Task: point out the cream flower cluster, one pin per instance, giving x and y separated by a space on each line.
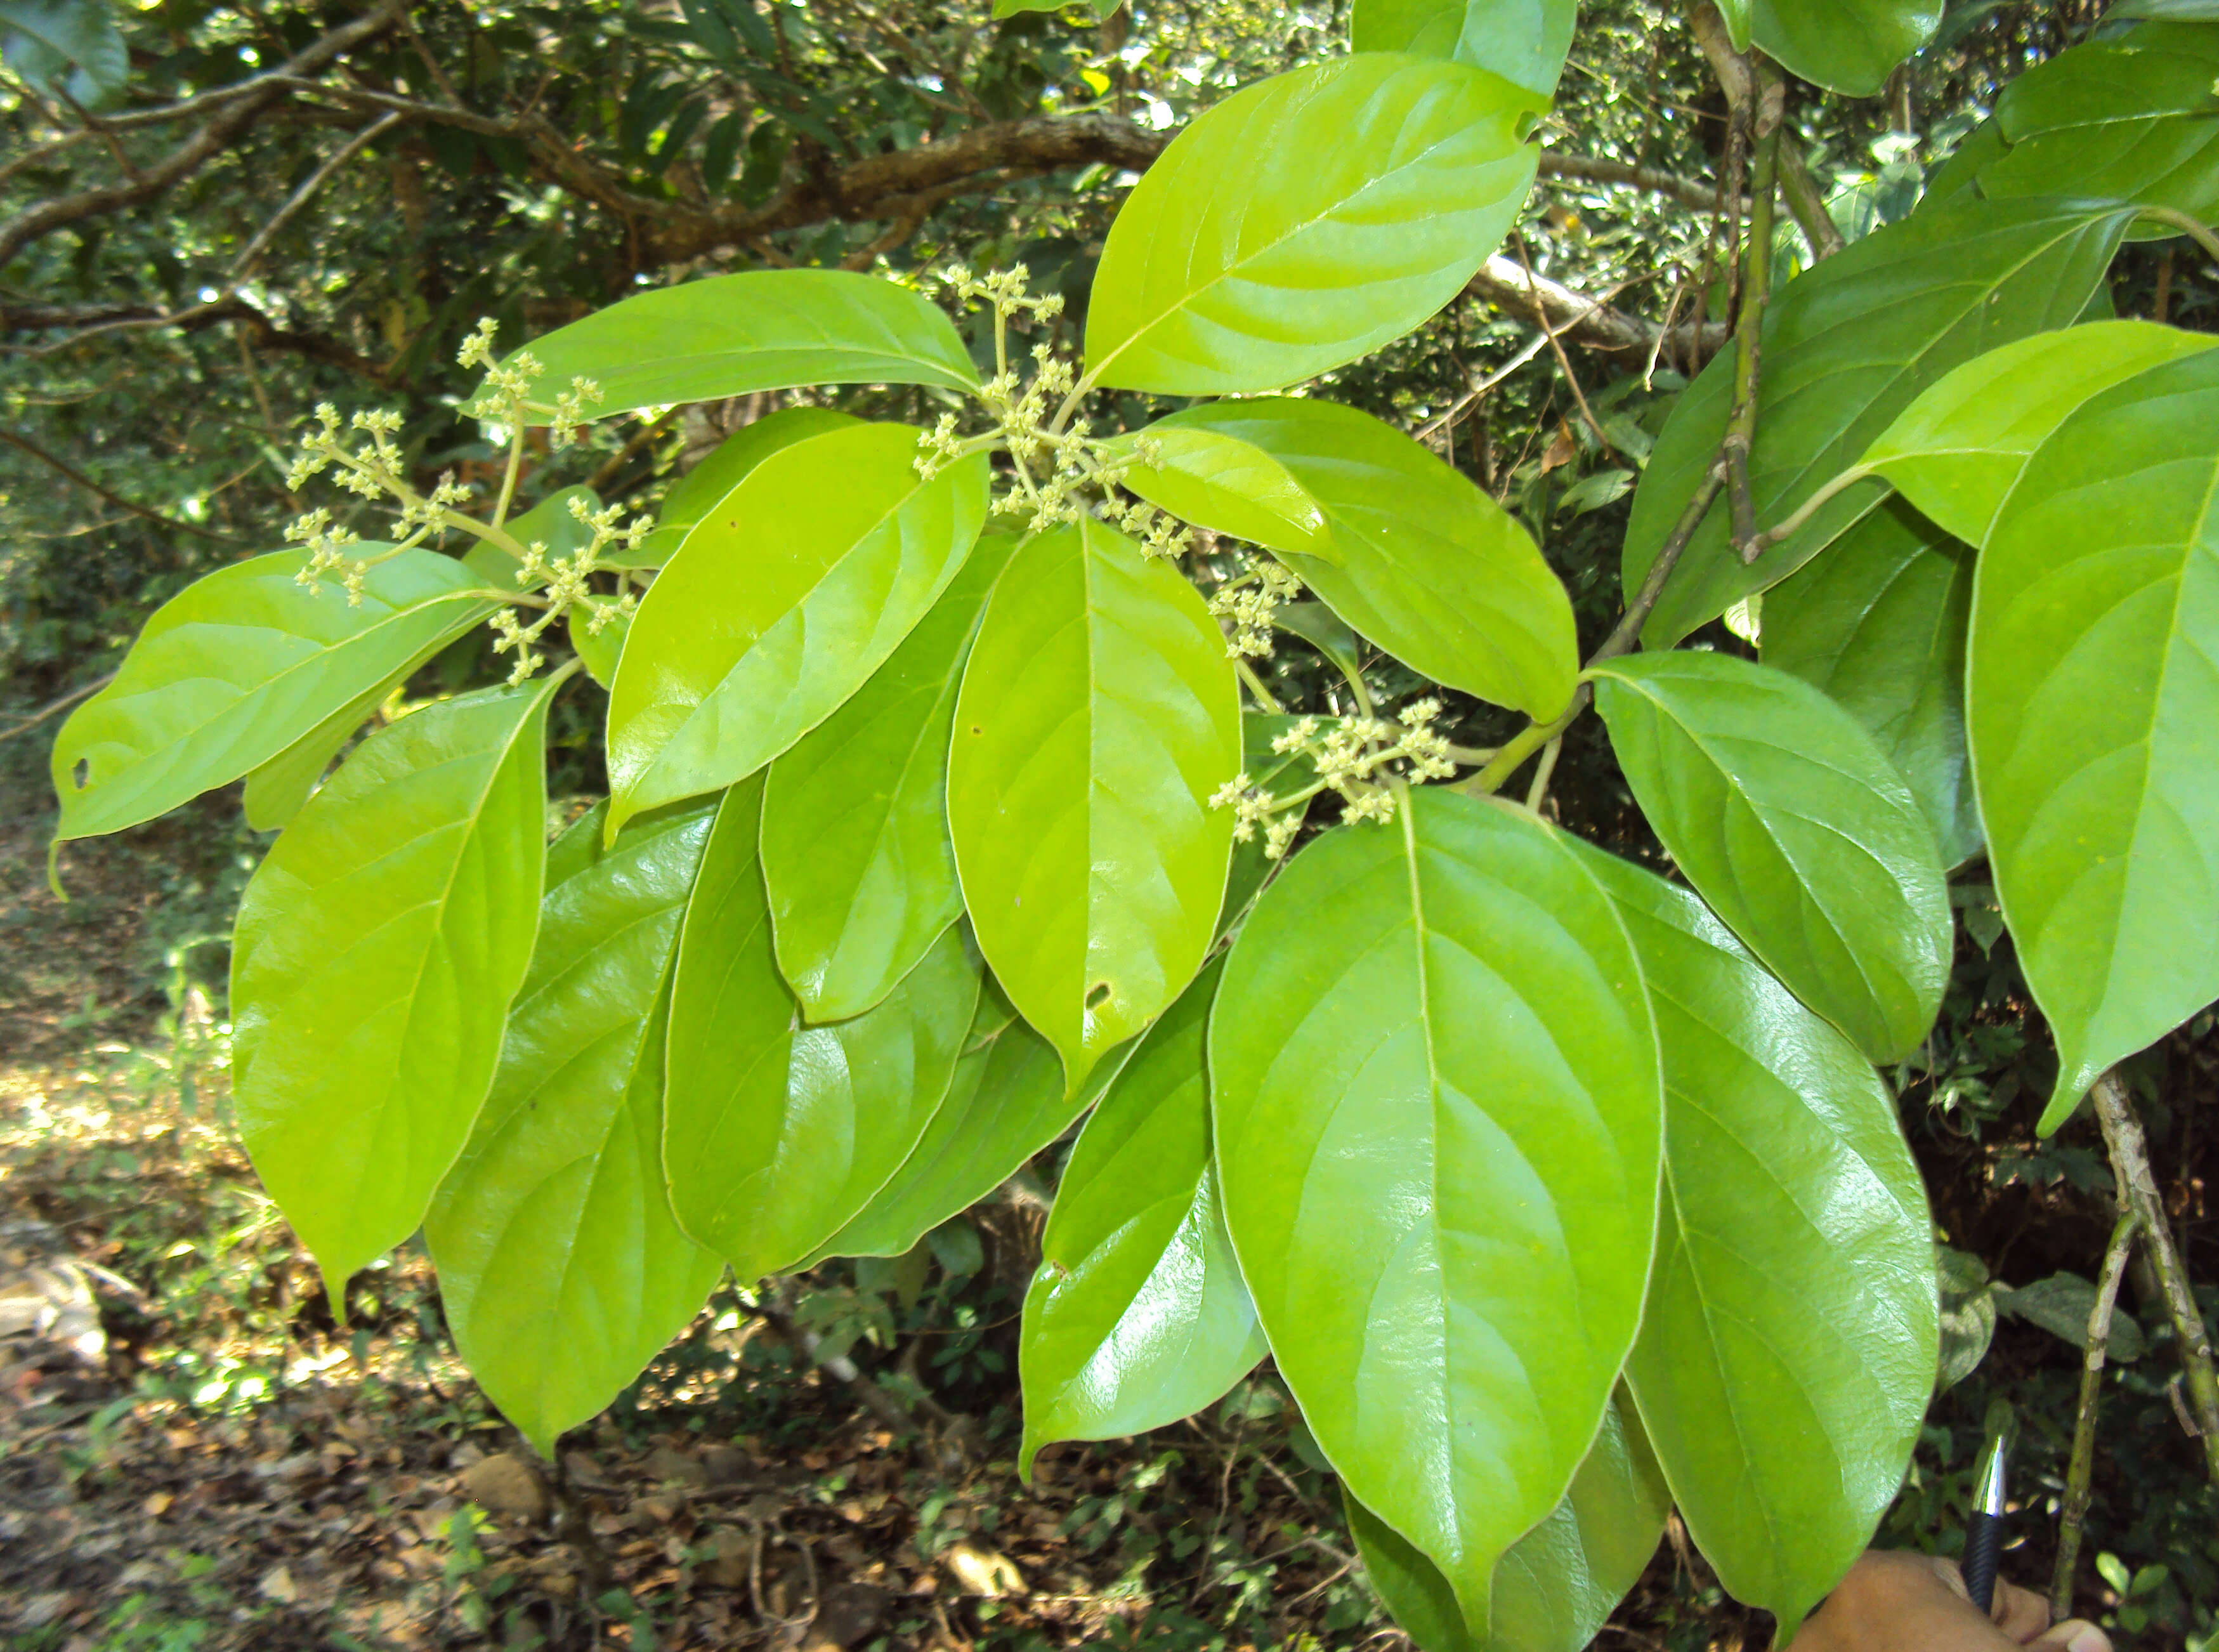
1360 758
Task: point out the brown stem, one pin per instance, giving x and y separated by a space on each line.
1749 327
2130 1167
2082 1463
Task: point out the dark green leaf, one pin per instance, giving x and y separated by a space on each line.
1878 622
1801 835
1005 1103
1097 717
775 1135
760 330
1559 1582
562 1270
379 943
1137 1316
1425 564
855 851
1848 346
1524 41
2063 1305
1787 1348
1304 221
1438 1113
239 666
2093 705
45 39
780 606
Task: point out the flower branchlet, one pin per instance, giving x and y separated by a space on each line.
1058 470
1249 601
1357 757
566 586
507 398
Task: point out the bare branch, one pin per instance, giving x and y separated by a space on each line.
116 500
235 116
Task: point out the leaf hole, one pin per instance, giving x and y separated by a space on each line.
1098 996
82 772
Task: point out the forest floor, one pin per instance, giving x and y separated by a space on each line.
192 1456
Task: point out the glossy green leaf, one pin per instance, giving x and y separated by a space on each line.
1426 565
1005 1103
855 851
1848 346
1438 1113
760 330
1098 716
1740 16
238 667
724 468
1304 221
1957 450
562 1270
1785 815
1787 1349
776 1136
1137 1316
1523 42
1878 623
780 606
2130 120
1559 1583
2093 705
275 791
1847 46
1213 478
378 946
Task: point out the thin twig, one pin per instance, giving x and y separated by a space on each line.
1540 342
25 724
116 500
1563 360
1749 326
2137 1188
2083 1461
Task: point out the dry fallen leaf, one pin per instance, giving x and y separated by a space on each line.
277 1585
984 1571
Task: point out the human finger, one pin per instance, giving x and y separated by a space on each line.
2020 1613
2073 1635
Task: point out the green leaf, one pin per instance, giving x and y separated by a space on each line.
2093 706
1438 1114
1878 623
1960 448
1848 346
275 791
1558 1584
1740 20
2132 120
2063 1305
378 946
1969 1315
562 1270
1426 565
1213 478
1787 1349
1098 715
1005 1103
1304 221
780 606
774 1136
599 650
1784 815
1523 42
703 488
239 666
1846 46
42 39
855 850
760 330
1137 1316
